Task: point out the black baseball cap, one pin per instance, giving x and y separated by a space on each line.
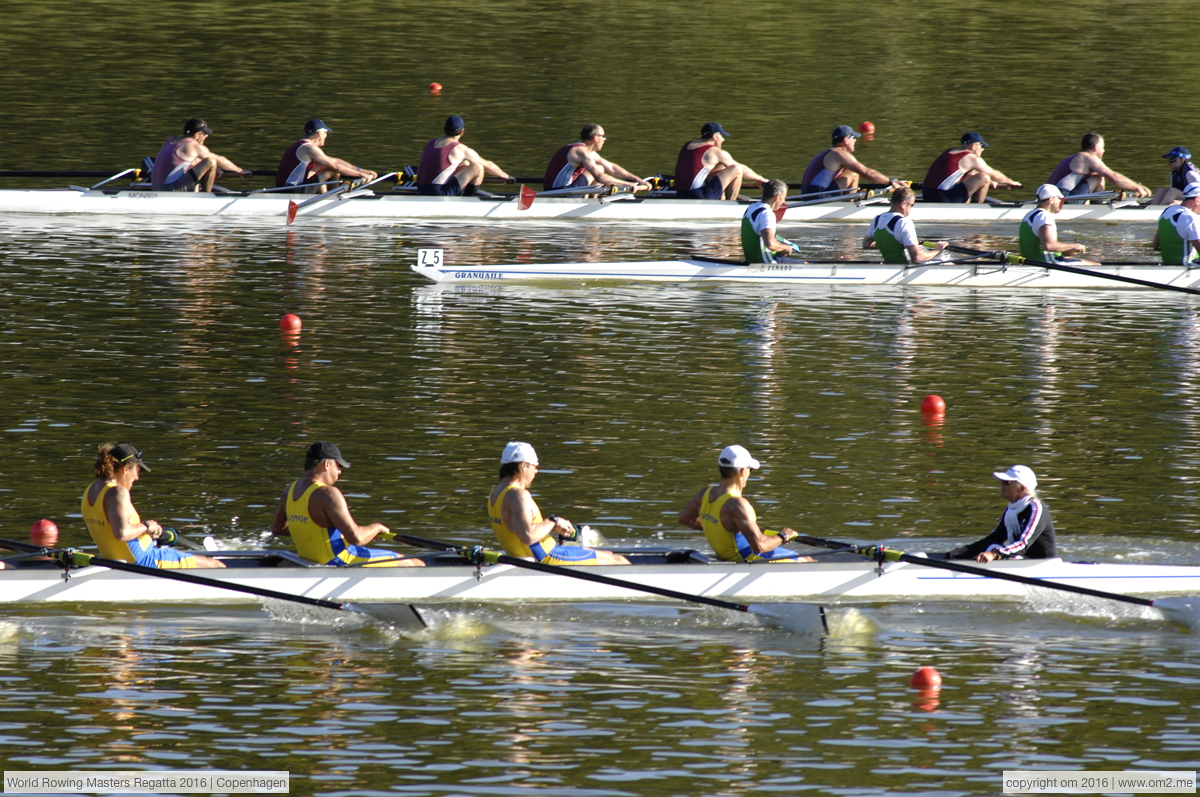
454 124
1179 152
196 125
712 127
125 453
973 138
316 126
844 131
322 450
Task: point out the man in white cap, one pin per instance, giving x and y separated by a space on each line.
1178 233
518 524
1025 531
728 520
1038 234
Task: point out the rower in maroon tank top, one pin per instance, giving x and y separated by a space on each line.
961 175
450 168
704 170
580 164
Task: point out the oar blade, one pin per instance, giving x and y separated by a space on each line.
525 200
401 616
805 619
1183 611
291 214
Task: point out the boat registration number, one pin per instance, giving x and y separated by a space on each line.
430 258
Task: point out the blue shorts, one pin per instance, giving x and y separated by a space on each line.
564 555
1083 187
774 555
449 188
166 559
186 182
817 189
957 194
710 190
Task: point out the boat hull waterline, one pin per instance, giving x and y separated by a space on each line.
369 204
858 581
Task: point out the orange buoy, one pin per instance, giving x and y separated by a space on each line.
867 128
933 404
44 533
435 88
290 323
926 678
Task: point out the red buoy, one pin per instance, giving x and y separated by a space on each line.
926 678
435 88
290 323
867 128
44 533
933 404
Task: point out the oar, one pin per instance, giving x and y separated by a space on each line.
1185 611
1018 202
856 196
800 618
527 195
294 207
400 615
1007 258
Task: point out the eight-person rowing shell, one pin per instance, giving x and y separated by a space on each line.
961 175
836 168
705 170
449 167
1085 171
305 164
1038 233
579 164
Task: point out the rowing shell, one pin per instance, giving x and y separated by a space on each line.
964 275
619 207
449 580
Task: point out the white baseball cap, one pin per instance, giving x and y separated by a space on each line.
1048 190
1192 191
1020 474
519 452
736 457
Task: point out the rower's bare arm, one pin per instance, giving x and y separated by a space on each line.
920 254
690 515
226 165
279 526
738 513
1155 245
118 508
774 244
487 165
1054 245
518 511
853 164
998 177
344 168
1118 179
328 508
619 172
868 241
725 159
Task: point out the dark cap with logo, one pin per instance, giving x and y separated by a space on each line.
125 453
321 451
454 125
711 129
1179 152
844 131
973 138
196 125
316 126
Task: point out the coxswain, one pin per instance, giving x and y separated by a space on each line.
1025 531
1085 172
305 164
1038 234
185 164
894 235
760 244
705 170
1183 174
314 514
836 168
580 164
728 520
113 523
518 524
1178 235
961 175
450 168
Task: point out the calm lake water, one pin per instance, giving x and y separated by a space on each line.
165 334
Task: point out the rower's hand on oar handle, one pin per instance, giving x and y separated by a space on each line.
153 529
563 527
896 182
987 556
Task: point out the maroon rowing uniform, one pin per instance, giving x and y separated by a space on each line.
560 173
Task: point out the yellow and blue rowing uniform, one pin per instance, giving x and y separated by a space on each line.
328 546
546 551
730 547
139 551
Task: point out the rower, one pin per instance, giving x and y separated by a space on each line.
836 168
517 522
728 520
1025 531
305 162
580 164
1085 172
759 242
894 235
185 164
314 514
704 170
1178 233
113 523
1038 234
960 175
450 168
1183 173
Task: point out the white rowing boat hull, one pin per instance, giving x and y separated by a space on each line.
821 582
965 275
368 204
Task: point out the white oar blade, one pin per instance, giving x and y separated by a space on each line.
1184 611
806 619
400 616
